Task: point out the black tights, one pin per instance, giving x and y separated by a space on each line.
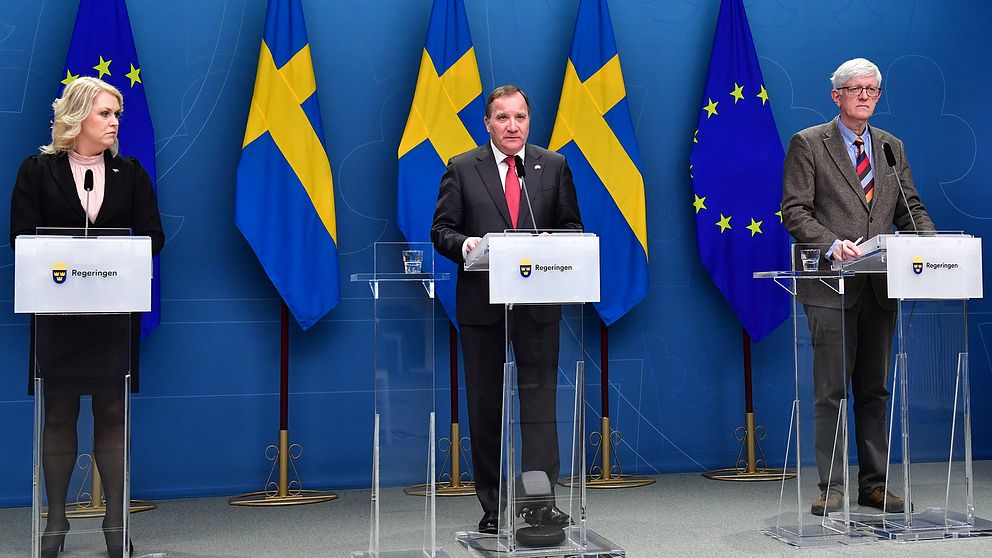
59 456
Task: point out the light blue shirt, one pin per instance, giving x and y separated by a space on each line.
852 150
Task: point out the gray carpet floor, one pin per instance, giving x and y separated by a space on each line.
679 515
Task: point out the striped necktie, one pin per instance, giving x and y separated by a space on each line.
863 168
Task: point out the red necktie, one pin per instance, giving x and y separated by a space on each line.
512 189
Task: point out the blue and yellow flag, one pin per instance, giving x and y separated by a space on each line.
445 120
102 46
595 132
285 197
736 171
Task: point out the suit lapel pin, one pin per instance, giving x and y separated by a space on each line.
115 170
537 167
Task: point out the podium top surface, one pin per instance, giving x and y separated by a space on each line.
400 276
873 250
58 274
930 265
478 258
821 274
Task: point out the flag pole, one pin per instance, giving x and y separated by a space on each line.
283 492
747 467
605 470
450 482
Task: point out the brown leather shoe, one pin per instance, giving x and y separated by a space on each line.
829 501
877 497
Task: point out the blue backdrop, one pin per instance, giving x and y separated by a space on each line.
209 403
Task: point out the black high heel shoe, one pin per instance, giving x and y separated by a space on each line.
113 536
118 551
53 541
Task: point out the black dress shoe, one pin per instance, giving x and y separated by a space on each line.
489 523
556 518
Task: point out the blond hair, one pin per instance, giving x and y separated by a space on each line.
72 108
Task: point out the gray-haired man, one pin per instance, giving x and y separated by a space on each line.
837 186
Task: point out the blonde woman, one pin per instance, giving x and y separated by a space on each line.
74 354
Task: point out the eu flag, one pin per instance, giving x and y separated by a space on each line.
595 133
102 46
445 120
285 197
736 171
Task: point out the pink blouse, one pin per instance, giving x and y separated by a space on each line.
79 164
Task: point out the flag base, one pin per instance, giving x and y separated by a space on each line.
747 469
449 483
286 492
604 474
95 506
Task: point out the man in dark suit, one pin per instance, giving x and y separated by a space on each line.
837 186
481 193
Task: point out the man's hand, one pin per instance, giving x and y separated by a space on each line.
846 250
471 243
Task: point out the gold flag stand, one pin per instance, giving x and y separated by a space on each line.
92 504
749 467
454 482
606 472
449 483
284 492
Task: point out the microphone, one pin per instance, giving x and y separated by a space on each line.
521 173
88 187
890 158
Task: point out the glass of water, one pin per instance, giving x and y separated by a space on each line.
413 261
811 258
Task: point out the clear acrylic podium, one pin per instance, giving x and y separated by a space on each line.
403 439
543 418
81 287
792 521
931 277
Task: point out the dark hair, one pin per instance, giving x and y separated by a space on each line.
503 91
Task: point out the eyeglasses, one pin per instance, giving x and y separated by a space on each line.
856 91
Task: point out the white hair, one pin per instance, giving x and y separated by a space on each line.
855 68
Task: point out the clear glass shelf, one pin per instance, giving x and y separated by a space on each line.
400 276
822 274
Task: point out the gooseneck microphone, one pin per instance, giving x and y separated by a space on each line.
88 187
521 173
890 158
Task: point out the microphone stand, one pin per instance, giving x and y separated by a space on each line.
88 187
890 158
521 174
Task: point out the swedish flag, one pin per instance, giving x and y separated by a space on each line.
736 171
594 131
102 46
285 196
445 120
